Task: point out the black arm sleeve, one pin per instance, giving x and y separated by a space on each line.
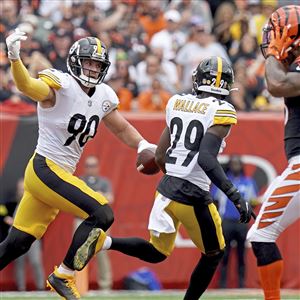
207 159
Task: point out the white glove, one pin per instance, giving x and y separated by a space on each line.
13 43
143 144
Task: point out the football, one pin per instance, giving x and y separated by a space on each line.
145 162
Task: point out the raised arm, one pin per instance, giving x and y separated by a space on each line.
34 88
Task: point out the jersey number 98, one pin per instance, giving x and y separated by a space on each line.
79 125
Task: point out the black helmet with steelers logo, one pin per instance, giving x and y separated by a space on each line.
88 48
213 75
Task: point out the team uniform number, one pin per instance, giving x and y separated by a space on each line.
190 144
79 125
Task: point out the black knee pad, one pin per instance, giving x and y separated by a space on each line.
266 253
103 217
16 244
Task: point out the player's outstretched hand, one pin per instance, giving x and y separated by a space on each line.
143 145
279 42
13 43
244 209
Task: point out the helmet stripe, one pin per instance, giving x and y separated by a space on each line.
99 48
219 71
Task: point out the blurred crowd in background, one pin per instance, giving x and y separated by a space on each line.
154 46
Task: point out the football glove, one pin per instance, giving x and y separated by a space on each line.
242 206
279 43
13 43
143 144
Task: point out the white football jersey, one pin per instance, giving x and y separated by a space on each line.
65 128
188 119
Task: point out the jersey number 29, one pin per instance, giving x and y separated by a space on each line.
192 146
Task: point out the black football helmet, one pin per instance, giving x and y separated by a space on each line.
213 75
88 48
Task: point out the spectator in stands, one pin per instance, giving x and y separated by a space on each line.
189 8
78 13
169 68
34 255
248 49
123 81
30 44
152 17
58 52
171 38
148 70
126 72
65 24
135 41
124 94
249 70
223 19
258 19
201 46
233 230
102 185
9 14
239 26
97 22
52 10
154 99
37 63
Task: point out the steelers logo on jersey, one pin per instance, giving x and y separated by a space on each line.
106 105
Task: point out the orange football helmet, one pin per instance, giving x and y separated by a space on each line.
285 16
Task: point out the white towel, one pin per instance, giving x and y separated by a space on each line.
159 220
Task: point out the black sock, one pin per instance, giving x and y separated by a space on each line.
139 248
202 276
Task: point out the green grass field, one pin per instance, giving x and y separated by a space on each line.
250 294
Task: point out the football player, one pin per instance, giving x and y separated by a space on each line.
70 108
187 153
281 206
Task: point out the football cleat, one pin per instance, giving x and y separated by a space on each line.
63 284
92 245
